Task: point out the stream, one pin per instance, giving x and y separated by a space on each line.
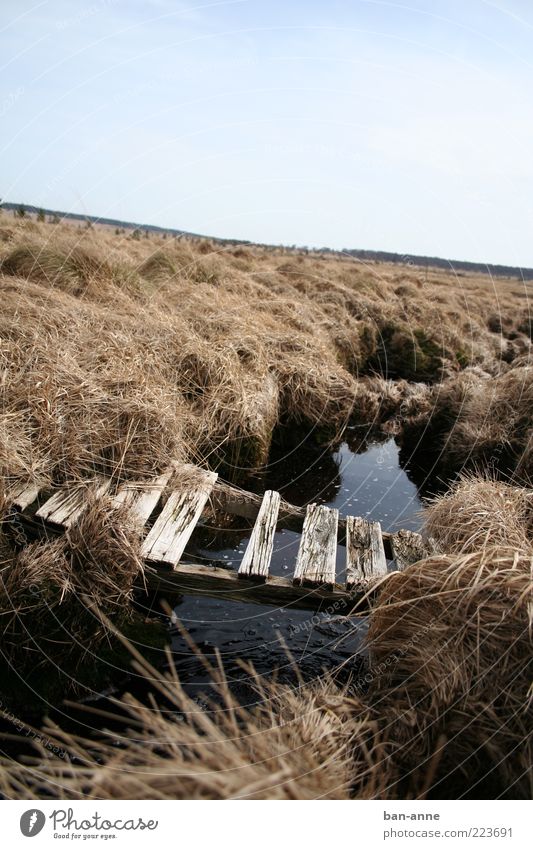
371 484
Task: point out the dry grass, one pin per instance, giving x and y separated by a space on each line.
459 694
478 512
296 744
478 421
448 713
48 591
124 355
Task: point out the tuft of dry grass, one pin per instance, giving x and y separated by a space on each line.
478 513
69 267
306 743
476 421
50 591
458 693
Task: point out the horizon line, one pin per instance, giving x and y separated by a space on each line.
419 260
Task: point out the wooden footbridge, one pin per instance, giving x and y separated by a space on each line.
168 508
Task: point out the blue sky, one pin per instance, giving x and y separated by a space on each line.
381 125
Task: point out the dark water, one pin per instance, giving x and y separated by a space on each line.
370 484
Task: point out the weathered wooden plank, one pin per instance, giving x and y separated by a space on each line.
315 563
141 498
171 532
365 553
408 547
256 560
66 505
209 581
23 494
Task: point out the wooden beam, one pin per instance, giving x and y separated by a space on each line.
315 564
239 502
210 581
408 547
256 560
172 530
141 498
365 553
67 504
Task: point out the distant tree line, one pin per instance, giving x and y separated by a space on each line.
412 260
438 262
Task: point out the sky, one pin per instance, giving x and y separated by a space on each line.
399 126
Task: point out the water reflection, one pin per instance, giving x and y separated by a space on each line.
375 486
303 474
370 483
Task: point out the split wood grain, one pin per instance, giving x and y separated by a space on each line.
142 498
408 547
315 563
66 505
166 541
23 494
365 553
256 560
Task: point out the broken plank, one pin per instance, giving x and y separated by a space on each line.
315 563
172 530
23 494
256 560
66 505
141 498
408 547
365 553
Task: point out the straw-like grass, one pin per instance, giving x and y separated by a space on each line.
295 744
479 512
48 590
460 689
125 355
445 709
478 421
447 714
122 354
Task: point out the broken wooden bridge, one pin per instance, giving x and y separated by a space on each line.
169 507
